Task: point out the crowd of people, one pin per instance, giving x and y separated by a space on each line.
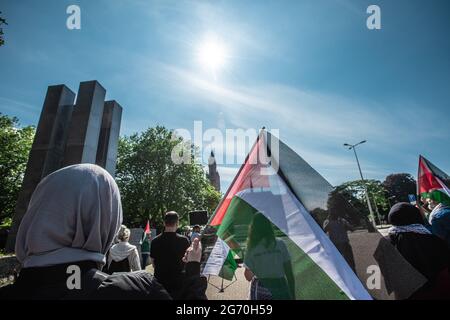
68 231
74 219
422 236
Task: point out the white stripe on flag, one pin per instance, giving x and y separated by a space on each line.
446 190
295 221
217 258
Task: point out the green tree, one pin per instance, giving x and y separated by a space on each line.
354 191
2 21
15 145
398 186
353 196
152 184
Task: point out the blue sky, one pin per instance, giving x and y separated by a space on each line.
311 69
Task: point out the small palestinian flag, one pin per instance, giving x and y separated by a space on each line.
147 228
298 236
433 182
145 241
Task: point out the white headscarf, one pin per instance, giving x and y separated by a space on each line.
73 215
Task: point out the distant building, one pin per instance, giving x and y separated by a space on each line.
213 175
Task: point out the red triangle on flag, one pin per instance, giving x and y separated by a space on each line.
248 177
147 227
427 181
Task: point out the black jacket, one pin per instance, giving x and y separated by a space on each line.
425 252
51 283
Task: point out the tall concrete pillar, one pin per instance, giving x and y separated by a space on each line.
109 136
82 142
66 134
47 151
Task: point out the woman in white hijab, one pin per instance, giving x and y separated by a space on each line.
73 215
71 222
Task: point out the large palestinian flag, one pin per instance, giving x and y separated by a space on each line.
298 236
433 182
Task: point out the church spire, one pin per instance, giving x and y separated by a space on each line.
213 174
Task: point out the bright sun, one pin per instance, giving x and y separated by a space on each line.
212 54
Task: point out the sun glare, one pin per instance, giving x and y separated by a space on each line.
212 54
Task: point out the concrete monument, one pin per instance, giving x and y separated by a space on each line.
67 134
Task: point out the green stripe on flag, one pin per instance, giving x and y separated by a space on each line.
229 267
439 196
311 282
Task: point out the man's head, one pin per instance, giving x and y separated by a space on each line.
404 213
196 228
432 203
436 197
171 221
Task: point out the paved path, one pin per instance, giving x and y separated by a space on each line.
384 230
240 289
237 290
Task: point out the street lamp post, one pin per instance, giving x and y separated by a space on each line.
353 146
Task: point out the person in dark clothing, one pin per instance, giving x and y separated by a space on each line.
145 248
50 283
423 250
336 228
72 219
167 252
